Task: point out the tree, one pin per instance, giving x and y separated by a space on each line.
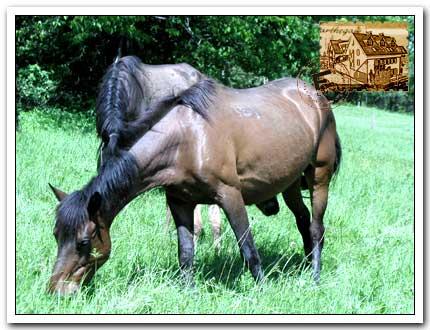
73 52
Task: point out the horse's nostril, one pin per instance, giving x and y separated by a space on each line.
61 284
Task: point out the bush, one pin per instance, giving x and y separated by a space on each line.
35 86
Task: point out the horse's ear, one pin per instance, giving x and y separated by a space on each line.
58 193
94 203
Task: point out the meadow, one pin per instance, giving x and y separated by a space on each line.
368 257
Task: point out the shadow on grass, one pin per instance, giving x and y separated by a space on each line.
227 270
220 269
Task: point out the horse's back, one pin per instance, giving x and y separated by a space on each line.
286 102
160 81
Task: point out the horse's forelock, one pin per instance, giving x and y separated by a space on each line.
72 213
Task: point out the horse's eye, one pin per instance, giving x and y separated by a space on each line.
84 243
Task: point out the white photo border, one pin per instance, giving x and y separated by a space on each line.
417 317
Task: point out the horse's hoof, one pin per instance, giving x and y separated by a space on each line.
259 276
187 280
316 277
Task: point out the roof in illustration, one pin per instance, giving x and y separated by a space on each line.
374 44
337 46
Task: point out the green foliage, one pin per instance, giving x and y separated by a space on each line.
239 51
35 86
368 256
246 51
397 101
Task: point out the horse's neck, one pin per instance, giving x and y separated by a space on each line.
115 205
153 157
156 151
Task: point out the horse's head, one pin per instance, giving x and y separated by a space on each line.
83 240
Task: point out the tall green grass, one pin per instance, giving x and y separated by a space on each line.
367 259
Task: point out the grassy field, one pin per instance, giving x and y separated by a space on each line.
367 259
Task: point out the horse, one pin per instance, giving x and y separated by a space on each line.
208 144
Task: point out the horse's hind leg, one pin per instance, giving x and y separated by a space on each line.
231 201
293 199
183 216
319 179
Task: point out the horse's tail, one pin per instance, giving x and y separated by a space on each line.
119 95
338 159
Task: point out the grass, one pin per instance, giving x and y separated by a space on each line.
367 259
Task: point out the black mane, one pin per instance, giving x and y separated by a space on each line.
120 96
116 178
199 97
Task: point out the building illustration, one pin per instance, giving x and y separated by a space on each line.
362 60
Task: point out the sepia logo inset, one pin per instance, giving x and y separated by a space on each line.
363 56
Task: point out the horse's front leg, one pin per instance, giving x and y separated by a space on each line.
231 201
182 213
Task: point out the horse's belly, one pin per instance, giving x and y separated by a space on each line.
256 188
262 180
266 169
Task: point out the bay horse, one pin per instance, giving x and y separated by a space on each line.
209 144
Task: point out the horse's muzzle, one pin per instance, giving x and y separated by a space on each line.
66 284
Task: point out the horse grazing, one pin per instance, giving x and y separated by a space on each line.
208 144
